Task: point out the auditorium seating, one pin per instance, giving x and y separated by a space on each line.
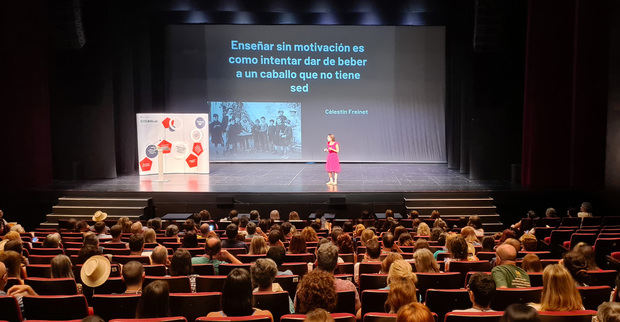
379 317
444 301
9 309
593 296
166 319
345 302
52 286
210 283
373 300
194 305
275 302
254 318
47 307
506 296
566 316
338 317
473 316
117 306
372 281
288 283
177 284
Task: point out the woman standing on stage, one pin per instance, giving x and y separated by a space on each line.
333 163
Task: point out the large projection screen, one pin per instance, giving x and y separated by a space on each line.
277 91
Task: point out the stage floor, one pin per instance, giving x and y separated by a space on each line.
295 177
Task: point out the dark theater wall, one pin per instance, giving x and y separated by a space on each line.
612 166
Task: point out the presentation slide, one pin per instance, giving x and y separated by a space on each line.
274 93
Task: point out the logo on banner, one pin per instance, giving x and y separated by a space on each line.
196 135
179 149
197 148
167 146
192 161
151 151
200 122
172 124
146 164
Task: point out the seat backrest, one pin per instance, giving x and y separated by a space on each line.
203 269
9 309
298 268
176 284
444 301
604 277
197 251
345 302
535 279
237 251
38 270
372 281
347 258
470 266
485 256
379 317
253 318
540 254
450 280
114 245
374 301
113 285
52 286
345 268
506 296
288 283
46 251
588 238
224 269
275 302
566 316
369 267
166 319
155 270
194 305
247 259
124 259
604 247
117 251
473 316
570 221
213 283
40 259
299 258
593 296
46 307
117 306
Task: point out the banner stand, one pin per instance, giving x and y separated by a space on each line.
160 164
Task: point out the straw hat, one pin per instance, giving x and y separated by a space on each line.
95 271
99 216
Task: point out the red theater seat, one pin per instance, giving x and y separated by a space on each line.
275 302
253 318
55 307
299 258
155 270
224 269
506 296
605 277
52 286
124 259
451 280
46 251
338 317
372 281
379 317
38 271
444 301
214 283
345 302
473 316
9 309
299 269
566 316
194 305
593 296
203 269
40 259
177 284
166 319
373 301
117 306
247 259
288 283
370 267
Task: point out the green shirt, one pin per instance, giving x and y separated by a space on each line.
205 260
510 276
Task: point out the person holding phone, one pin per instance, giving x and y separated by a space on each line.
333 162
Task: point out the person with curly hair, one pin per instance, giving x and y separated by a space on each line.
316 290
414 312
346 246
309 235
297 245
402 292
423 230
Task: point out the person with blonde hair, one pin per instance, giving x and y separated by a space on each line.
150 236
318 315
400 270
469 234
529 242
359 229
425 262
414 312
367 235
258 246
388 260
18 228
559 291
423 230
402 292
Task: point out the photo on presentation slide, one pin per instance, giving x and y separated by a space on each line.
255 130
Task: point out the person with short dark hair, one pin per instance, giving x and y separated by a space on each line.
577 266
116 232
172 231
264 272
277 254
237 297
154 302
488 244
87 251
287 229
136 244
250 229
215 255
481 289
373 254
190 240
254 215
231 234
518 312
181 265
585 210
100 230
133 276
389 243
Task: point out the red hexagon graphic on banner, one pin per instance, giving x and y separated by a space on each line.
166 145
146 164
166 122
192 161
197 148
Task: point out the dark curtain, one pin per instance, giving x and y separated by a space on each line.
565 94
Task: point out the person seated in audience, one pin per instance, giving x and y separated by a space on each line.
61 267
531 264
87 251
116 232
372 255
316 290
274 237
506 273
18 228
435 214
414 312
159 256
507 233
154 223
443 241
423 230
274 215
203 231
405 239
264 272
469 234
476 223
190 240
100 229
293 215
366 235
277 254
421 243
137 228
4 225
243 224
608 312
251 230
181 265
481 289
133 276
585 210
13 264
399 230
258 246
172 231
529 242
488 244
125 224
318 315
388 243
399 271
237 297
136 245
388 260
588 253
264 225
459 251
402 292
232 241
154 301
345 245
516 244
287 229
297 245
52 241
17 246
518 312
215 255
82 226
4 278
150 237
425 262
309 235
357 231
16 291
559 291
327 260
439 224
614 293
336 231
577 266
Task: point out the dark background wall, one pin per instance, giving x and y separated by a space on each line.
612 164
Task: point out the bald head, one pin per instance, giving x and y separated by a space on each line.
514 243
506 252
3 276
159 256
213 246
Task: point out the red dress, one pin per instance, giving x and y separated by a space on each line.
333 163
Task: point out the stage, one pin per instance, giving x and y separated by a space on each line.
295 177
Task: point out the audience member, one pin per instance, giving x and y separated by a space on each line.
608 312
423 230
506 273
215 255
559 291
100 230
181 265
190 240
402 292
577 266
316 290
345 246
232 241
585 210
516 244
405 239
150 237
159 256
237 297
425 262
488 244
52 241
133 276
367 234
388 260
258 246
481 289
529 242
250 229
373 254
414 312
13 264
309 235
274 237
327 260
476 223
137 228
86 252
388 243
458 249
588 253
264 273
293 215
318 315
125 224
277 254
116 232
531 264
297 245
154 301
518 312
136 244
469 234
172 231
